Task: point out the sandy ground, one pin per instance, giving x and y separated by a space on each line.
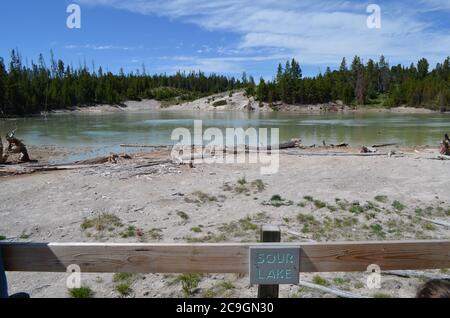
322 199
237 101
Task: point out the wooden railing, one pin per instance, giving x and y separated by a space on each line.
220 258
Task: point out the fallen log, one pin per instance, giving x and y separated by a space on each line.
442 223
417 274
285 145
1 150
14 171
337 154
293 233
141 146
365 149
339 293
442 157
384 145
112 158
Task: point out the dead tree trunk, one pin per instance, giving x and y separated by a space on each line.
1 151
445 146
16 146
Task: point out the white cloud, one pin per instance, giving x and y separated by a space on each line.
314 31
100 47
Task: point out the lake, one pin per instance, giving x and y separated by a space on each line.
100 134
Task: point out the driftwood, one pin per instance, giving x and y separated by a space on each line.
435 222
339 293
293 233
445 146
343 145
337 154
112 158
141 146
1 151
384 145
365 149
416 274
14 170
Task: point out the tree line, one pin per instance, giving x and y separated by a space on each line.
360 84
33 89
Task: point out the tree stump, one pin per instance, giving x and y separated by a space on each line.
16 146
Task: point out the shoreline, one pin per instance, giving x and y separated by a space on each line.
237 102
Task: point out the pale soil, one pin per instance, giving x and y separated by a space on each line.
238 102
50 207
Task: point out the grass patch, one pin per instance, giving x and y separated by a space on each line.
102 222
189 282
24 236
122 277
308 198
429 227
155 234
226 285
247 225
183 215
82 292
242 181
209 293
123 283
220 103
319 204
381 198
377 229
318 280
397 205
219 290
129 232
340 281
124 289
277 201
381 295
2 238
259 185
359 285
356 208
204 197
332 208
196 229
209 238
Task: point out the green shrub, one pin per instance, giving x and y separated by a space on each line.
398 205
124 289
381 198
188 283
101 222
318 280
82 292
319 204
220 103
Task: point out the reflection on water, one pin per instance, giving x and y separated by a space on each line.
103 133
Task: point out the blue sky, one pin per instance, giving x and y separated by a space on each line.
225 36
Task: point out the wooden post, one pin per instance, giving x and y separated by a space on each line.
269 234
3 282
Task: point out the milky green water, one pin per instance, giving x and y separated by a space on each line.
99 134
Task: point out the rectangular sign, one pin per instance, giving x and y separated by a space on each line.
274 266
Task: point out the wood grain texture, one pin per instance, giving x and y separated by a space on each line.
220 258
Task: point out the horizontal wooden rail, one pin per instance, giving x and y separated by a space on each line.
220 258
